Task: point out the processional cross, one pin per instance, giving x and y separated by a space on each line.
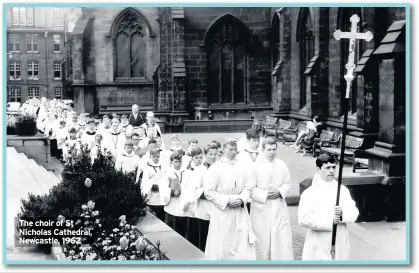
349 77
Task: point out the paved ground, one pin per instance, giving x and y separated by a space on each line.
369 241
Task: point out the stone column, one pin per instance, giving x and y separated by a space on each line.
177 106
281 80
388 155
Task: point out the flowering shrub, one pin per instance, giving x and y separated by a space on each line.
113 192
119 243
26 115
11 120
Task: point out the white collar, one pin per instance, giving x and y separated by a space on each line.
318 182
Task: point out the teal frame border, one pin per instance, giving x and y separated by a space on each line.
210 262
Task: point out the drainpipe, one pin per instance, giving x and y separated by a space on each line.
46 54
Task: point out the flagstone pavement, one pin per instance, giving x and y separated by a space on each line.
369 241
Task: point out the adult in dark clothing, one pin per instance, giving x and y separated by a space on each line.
135 118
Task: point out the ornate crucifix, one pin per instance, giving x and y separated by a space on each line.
349 77
352 36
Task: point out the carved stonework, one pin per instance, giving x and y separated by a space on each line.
368 107
130 24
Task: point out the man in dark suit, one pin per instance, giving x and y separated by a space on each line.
135 119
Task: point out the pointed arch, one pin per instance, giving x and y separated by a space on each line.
131 11
275 39
305 39
130 32
224 19
227 42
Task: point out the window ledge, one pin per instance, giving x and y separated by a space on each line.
131 80
56 51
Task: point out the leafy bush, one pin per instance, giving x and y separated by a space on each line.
113 191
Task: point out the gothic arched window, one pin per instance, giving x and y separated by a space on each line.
344 24
275 41
226 43
305 38
129 36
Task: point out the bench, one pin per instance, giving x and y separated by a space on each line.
269 126
290 135
325 136
354 151
283 125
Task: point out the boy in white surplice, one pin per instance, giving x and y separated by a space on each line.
250 154
230 235
127 161
171 191
317 211
271 183
153 173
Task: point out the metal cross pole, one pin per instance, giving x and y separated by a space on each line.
350 66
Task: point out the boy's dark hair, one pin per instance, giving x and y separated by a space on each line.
324 159
252 134
212 146
181 152
176 155
152 141
257 126
216 144
195 152
135 135
193 140
72 130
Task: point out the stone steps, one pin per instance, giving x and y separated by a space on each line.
24 176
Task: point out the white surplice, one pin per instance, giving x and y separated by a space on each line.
270 217
114 143
152 174
172 204
230 235
88 138
127 162
316 212
194 188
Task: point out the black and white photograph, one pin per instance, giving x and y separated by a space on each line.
207 134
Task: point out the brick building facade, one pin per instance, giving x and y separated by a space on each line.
244 63
35 38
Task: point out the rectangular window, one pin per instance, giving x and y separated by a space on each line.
33 92
57 70
58 92
15 16
15 95
33 71
57 42
14 71
57 17
22 17
14 43
29 16
32 42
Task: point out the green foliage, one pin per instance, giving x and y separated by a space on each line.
113 191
